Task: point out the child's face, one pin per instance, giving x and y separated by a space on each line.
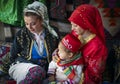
63 54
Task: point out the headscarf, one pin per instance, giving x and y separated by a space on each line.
41 10
88 17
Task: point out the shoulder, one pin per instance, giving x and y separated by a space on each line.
48 34
55 29
95 43
94 46
23 32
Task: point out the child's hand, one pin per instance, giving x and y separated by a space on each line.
55 52
56 58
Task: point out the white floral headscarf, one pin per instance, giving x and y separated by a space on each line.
41 10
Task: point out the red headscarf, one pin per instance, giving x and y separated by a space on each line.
88 17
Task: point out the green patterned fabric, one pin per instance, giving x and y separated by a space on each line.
43 1
11 11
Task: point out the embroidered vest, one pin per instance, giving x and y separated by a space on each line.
36 56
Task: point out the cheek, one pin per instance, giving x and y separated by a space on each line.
27 26
73 28
61 56
38 27
79 31
76 30
34 27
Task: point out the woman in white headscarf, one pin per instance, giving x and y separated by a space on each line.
33 45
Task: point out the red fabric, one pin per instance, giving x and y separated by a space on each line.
72 75
75 62
88 17
94 55
74 33
94 52
71 43
11 82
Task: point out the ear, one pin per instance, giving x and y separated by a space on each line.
70 54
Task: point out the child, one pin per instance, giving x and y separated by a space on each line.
63 71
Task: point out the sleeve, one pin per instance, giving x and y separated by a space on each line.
15 48
78 69
52 67
21 46
95 65
77 78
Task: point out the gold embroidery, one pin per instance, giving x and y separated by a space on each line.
86 40
30 50
82 78
89 38
81 39
47 50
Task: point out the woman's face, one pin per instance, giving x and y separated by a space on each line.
33 24
77 29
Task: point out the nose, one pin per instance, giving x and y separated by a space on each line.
72 27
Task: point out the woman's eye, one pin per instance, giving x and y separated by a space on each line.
75 25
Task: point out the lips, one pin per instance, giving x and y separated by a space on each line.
32 30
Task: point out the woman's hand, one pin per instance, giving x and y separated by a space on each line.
55 56
51 78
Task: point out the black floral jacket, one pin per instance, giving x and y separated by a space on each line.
22 46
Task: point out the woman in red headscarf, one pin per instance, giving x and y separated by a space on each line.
87 24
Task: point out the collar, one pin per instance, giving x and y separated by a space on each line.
64 62
40 35
90 37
